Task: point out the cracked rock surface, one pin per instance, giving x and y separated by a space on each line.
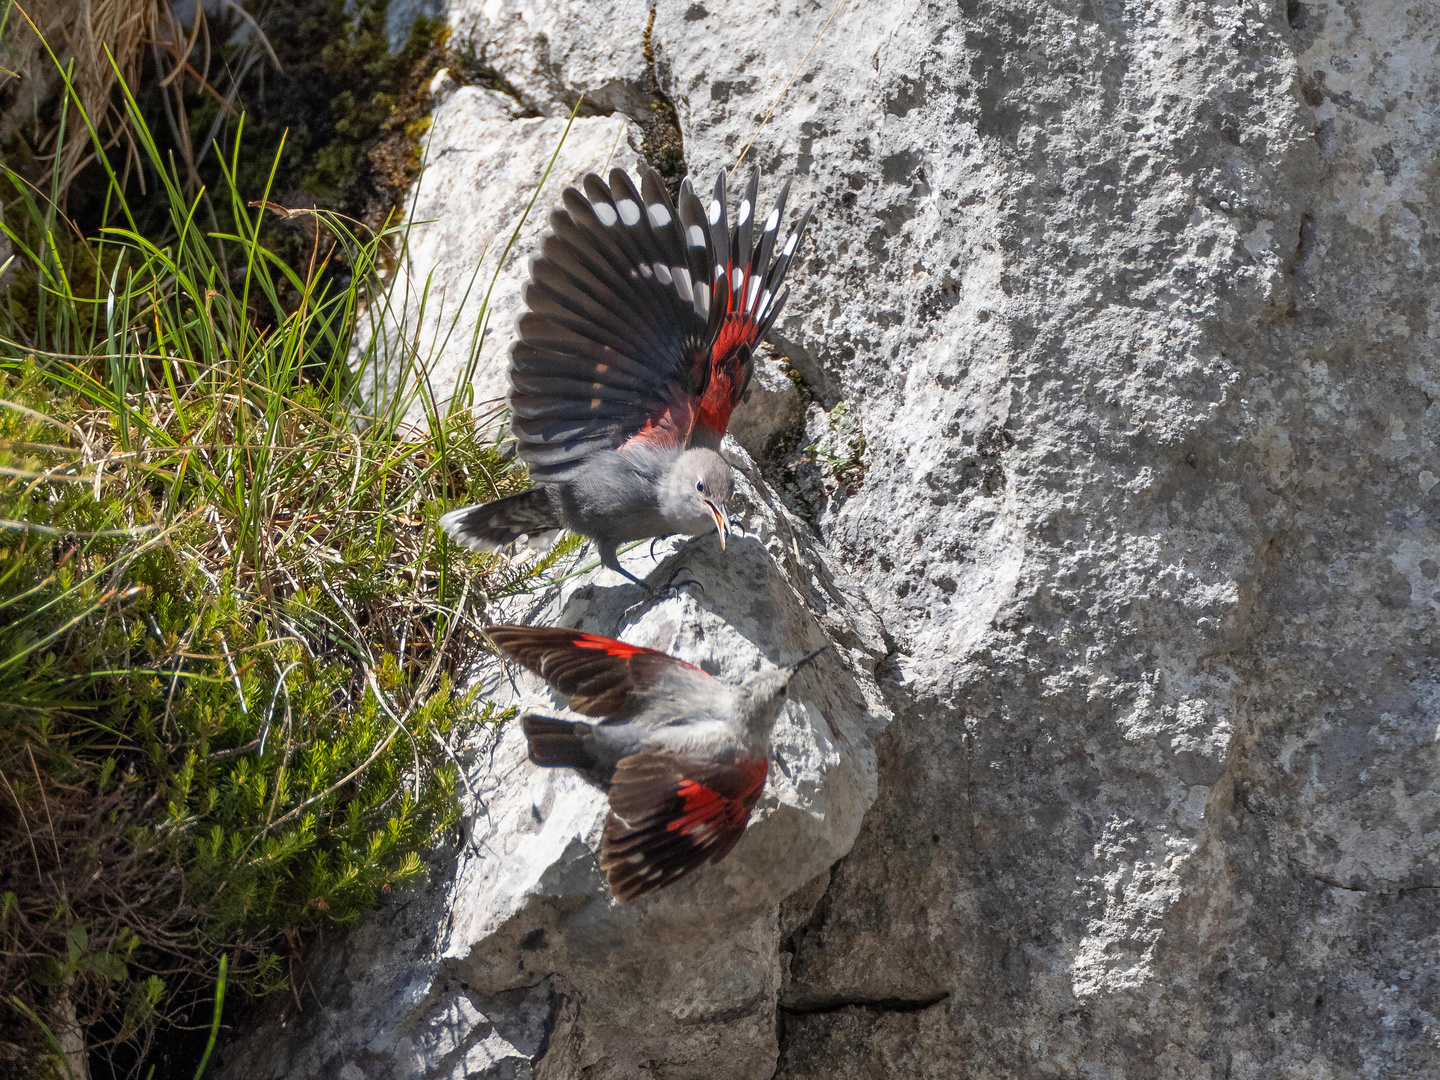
1116 480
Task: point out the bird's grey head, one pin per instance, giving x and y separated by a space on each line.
763 695
696 491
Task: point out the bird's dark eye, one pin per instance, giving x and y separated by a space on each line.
699 485
784 690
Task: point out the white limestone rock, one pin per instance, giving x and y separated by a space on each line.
470 238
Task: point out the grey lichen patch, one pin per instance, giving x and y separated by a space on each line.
817 464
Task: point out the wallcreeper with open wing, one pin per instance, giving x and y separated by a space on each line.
636 347
683 755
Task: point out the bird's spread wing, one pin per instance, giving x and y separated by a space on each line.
599 675
745 299
613 345
669 813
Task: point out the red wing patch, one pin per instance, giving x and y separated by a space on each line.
730 367
705 808
737 330
667 429
745 298
599 675
612 647
670 814
609 646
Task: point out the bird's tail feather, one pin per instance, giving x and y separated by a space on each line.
493 525
556 743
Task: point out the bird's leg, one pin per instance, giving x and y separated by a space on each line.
610 559
673 587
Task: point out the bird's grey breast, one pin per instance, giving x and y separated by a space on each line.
615 495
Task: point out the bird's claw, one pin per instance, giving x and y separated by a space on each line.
671 590
677 583
675 588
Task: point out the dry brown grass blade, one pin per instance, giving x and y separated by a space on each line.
174 25
89 32
39 873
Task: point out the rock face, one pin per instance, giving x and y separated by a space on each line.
1118 333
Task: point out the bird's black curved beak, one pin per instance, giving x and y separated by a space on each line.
800 664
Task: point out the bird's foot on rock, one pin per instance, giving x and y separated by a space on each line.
673 588
677 585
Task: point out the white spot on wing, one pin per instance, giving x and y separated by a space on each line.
605 212
663 273
790 243
772 220
744 214
629 212
715 212
682 284
697 236
750 292
659 216
764 304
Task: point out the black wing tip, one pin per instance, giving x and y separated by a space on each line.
519 630
804 221
623 186
523 644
